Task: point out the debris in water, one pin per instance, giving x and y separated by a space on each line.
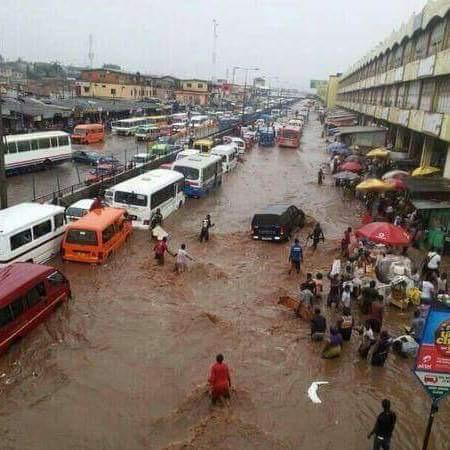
312 391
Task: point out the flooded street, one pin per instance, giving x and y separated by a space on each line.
124 364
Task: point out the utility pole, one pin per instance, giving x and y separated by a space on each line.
3 184
214 52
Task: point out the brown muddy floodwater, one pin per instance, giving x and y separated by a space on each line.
124 364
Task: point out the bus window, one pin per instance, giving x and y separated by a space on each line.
42 229
5 316
81 237
54 141
23 146
35 294
12 148
44 143
59 220
19 239
63 140
17 307
34 144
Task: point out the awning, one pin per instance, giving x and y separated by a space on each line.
430 204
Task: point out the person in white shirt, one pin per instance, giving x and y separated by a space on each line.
346 297
434 260
182 257
427 289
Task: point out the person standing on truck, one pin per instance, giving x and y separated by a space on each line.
206 225
295 256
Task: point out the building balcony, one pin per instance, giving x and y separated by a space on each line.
433 65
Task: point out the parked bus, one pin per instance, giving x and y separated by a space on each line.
203 145
228 153
96 235
36 150
202 173
199 121
27 297
141 196
127 127
88 134
289 136
147 133
158 121
30 232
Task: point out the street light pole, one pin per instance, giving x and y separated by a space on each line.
3 183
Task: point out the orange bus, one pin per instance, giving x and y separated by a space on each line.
88 134
289 136
92 238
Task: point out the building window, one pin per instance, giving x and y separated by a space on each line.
412 99
447 37
436 39
421 45
400 96
113 92
86 88
200 85
398 56
426 98
188 85
443 95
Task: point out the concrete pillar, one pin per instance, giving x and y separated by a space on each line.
402 142
447 164
426 151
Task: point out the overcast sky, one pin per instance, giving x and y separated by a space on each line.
295 40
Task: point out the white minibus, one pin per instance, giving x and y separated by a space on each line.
228 153
202 173
30 232
141 196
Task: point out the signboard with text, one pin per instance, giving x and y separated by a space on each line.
432 366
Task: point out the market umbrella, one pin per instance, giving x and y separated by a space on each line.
397 183
424 170
380 152
351 166
375 185
384 233
395 174
346 175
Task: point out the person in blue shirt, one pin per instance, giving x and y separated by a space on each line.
295 256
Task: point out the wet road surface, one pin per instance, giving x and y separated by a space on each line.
124 364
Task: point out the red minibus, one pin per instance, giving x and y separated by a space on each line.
28 294
289 136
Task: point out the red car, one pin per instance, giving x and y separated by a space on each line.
103 171
28 294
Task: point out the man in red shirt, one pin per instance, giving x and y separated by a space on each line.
219 379
160 248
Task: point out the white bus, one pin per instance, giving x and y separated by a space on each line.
36 150
127 127
228 153
202 172
141 196
30 232
199 121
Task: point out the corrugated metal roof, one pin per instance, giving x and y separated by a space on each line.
359 129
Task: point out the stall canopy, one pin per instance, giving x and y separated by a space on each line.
384 233
437 188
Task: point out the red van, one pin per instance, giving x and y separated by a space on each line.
28 294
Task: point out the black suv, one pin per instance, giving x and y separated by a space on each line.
277 222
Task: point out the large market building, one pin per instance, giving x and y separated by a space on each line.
403 84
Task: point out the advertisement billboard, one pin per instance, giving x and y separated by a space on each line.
432 366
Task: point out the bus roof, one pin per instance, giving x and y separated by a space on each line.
224 149
198 161
204 141
152 180
131 120
37 135
88 126
97 219
18 274
24 213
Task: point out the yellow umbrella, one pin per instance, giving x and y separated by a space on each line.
380 152
424 170
374 184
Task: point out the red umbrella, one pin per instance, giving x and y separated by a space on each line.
398 183
384 233
351 166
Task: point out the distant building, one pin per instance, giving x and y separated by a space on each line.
259 82
192 92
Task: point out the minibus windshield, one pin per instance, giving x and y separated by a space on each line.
189 172
81 237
